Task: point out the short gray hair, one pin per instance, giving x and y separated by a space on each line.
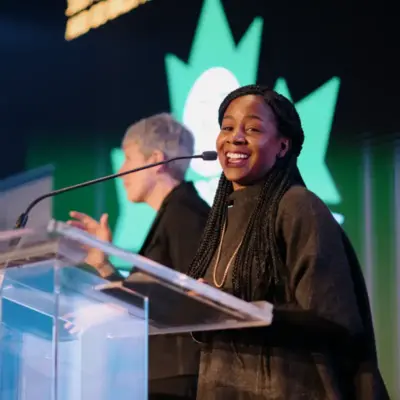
162 132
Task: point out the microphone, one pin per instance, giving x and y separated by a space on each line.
23 218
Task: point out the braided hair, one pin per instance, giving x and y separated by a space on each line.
259 248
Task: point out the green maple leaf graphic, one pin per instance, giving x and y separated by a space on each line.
316 112
214 48
134 220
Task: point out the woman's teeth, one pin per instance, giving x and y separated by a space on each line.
237 155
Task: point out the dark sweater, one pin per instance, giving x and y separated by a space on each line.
319 346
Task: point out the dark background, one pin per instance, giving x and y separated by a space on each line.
114 74
68 103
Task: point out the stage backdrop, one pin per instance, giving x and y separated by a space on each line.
73 89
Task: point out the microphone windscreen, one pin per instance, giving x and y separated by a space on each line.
209 155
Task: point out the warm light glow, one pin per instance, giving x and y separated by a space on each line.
84 15
74 6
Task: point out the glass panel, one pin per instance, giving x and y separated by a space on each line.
109 341
60 341
27 323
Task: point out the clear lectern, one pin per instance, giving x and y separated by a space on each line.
67 334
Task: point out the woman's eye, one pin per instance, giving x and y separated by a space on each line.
253 129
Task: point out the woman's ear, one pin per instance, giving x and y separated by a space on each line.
285 146
157 156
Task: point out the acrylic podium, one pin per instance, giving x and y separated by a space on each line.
67 334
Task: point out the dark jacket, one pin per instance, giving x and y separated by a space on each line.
172 241
174 237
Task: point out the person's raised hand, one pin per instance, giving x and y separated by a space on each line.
100 229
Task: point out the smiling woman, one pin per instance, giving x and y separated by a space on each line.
249 142
269 238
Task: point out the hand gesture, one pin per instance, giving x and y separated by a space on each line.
100 229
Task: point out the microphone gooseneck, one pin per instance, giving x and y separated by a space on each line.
23 218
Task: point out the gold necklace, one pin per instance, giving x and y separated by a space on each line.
219 285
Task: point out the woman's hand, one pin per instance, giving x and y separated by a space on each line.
101 230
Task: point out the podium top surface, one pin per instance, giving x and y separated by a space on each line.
176 300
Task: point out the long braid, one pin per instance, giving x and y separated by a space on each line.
260 247
212 231
251 237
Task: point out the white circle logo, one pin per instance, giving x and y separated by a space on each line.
200 113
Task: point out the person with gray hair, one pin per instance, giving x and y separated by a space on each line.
172 240
164 133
